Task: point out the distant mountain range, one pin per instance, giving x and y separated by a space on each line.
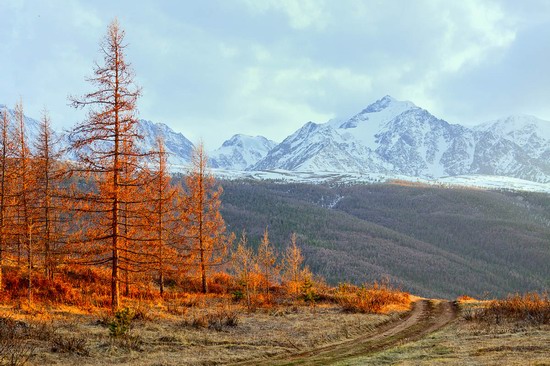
387 137
391 136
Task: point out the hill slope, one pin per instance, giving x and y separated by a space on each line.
432 241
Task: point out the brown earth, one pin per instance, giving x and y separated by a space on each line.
426 317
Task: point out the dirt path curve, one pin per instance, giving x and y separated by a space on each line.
426 317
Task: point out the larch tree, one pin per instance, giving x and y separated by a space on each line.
104 143
25 198
292 262
206 231
266 262
6 154
49 175
243 265
163 221
134 228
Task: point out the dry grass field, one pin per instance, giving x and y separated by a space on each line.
477 337
182 335
468 343
214 330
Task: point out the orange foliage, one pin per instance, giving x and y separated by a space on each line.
376 298
531 307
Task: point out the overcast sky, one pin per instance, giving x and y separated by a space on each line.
210 69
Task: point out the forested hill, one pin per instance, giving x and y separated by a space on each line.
435 242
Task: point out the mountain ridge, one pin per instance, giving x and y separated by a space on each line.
402 138
387 137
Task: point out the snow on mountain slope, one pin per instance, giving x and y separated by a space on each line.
32 127
530 133
401 138
365 125
240 152
388 137
476 181
319 147
178 147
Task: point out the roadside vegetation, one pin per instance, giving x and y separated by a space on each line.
70 321
531 308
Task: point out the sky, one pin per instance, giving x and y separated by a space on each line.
214 68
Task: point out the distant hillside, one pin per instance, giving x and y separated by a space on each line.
432 241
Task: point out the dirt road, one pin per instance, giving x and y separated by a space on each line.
426 317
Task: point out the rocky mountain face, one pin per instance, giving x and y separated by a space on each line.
178 147
401 138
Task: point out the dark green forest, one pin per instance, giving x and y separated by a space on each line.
432 241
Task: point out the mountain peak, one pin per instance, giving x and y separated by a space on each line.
387 102
379 113
240 152
241 139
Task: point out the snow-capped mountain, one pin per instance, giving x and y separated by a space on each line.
178 147
240 152
32 127
530 133
391 136
319 147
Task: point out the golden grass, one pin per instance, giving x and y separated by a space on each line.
167 339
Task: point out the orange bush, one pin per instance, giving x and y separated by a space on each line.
17 284
531 307
376 298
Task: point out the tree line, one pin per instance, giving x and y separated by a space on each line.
116 206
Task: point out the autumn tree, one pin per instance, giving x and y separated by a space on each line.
243 266
206 232
6 146
267 262
163 221
133 257
104 142
292 263
50 206
25 194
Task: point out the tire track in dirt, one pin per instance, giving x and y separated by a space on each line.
426 317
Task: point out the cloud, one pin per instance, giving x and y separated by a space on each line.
300 14
266 67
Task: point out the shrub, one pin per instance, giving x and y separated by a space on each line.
216 320
223 317
530 307
142 311
308 292
376 298
73 345
14 348
237 295
464 298
121 324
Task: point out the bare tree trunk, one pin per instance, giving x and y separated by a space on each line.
29 260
